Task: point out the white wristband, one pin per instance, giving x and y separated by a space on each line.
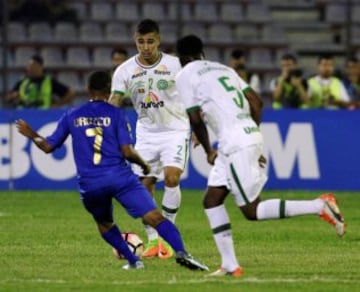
38 139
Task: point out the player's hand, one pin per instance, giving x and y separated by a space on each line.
211 156
194 140
262 161
24 128
146 168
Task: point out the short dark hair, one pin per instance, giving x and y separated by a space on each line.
289 56
325 57
147 26
119 50
38 59
189 45
100 81
237 54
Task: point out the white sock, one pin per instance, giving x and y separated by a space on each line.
220 225
150 231
171 202
276 208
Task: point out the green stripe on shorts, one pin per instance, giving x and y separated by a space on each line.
238 184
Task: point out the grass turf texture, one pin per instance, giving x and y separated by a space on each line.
48 242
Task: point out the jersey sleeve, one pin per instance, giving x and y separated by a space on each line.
62 131
124 130
118 83
186 91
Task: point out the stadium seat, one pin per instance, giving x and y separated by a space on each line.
65 31
273 33
260 58
71 79
90 32
246 32
220 33
78 57
102 11
127 11
194 28
12 78
185 11
80 8
232 12
53 56
258 13
16 32
153 10
204 11
40 31
117 32
22 55
168 32
335 13
102 57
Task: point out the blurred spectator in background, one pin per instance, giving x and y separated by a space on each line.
325 90
238 63
289 89
39 90
41 10
351 80
118 56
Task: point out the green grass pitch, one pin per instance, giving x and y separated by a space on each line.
48 242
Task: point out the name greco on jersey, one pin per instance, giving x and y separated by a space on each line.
92 121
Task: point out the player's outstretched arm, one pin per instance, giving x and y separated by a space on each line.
25 129
133 156
256 105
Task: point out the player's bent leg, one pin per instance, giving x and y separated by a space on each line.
112 235
220 225
171 234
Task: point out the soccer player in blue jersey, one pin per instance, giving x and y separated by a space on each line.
102 147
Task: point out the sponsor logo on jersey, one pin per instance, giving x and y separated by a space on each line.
152 101
162 70
138 72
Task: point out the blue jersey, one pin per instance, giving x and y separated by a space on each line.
98 129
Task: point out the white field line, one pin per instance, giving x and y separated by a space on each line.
174 281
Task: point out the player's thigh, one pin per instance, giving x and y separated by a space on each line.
174 149
246 178
149 150
135 198
99 204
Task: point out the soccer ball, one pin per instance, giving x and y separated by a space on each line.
134 242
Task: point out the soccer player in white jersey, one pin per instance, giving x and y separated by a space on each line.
233 111
163 129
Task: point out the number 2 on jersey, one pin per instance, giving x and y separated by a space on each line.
239 100
98 134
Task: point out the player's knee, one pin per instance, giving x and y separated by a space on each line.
153 218
172 180
211 202
250 216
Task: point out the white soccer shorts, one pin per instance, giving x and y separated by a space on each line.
240 173
161 150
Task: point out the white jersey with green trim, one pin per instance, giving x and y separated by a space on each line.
153 93
219 92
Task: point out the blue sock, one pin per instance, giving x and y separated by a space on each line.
171 234
114 238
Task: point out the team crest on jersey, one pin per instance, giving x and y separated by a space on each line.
152 101
138 72
162 84
162 70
